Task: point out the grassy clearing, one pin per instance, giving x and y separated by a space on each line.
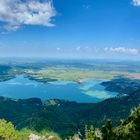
72 74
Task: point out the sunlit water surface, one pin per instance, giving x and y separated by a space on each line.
89 91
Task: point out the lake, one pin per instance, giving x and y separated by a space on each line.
90 91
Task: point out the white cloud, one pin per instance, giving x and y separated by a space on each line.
86 6
133 51
136 2
58 49
78 48
86 47
14 13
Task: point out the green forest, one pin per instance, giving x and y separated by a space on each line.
129 129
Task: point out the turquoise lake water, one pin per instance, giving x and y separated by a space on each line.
89 91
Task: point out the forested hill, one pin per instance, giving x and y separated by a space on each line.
129 129
65 117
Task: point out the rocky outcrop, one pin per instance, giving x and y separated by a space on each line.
36 137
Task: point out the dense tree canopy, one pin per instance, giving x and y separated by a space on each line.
8 132
129 129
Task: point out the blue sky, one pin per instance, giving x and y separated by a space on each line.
70 29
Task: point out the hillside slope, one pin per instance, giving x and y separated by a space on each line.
65 117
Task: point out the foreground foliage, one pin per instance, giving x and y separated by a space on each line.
8 132
129 129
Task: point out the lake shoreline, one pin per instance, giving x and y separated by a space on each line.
23 87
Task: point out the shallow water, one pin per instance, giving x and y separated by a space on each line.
89 91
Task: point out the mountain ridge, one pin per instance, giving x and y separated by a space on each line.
65 117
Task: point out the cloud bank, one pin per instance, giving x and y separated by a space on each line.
15 13
136 2
123 50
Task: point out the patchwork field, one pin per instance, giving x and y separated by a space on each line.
77 74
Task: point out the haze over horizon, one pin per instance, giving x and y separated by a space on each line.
73 29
